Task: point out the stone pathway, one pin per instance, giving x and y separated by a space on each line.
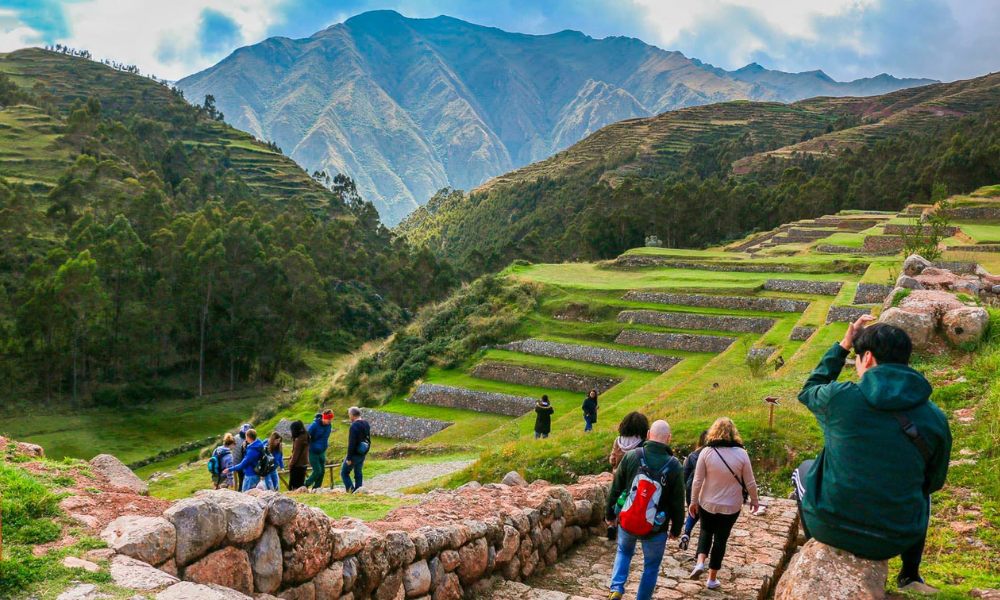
404 478
758 550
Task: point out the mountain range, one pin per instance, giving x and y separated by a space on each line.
407 107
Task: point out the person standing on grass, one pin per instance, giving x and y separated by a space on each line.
239 448
274 446
298 464
690 463
543 417
647 468
886 449
247 466
359 442
319 441
723 481
590 407
223 456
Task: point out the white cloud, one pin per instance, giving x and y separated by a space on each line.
13 34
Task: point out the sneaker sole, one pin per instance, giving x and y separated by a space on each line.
697 573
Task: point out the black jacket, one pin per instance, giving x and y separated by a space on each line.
543 417
590 408
690 464
359 432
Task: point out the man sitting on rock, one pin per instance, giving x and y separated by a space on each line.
886 450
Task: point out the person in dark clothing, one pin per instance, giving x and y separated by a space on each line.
319 441
359 442
543 417
238 449
298 464
590 407
255 448
224 458
657 454
690 463
886 449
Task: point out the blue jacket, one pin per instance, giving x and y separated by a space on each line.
250 458
319 435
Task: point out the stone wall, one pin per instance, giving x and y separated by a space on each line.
975 212
803 286
646 260
960 268
452 544
801 334
544 379
882 243
401 427
781 305
976 248
601 356
687 342
840 249
898 229
871 293
764 353
695 321
453 397
846 314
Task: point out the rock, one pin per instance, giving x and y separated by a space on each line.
118 474
350 573
149 539
391 585
919 326
449 589
939 279
984 594
915 264
417 579
346 542
437 572
821 571
30 450
131 573
306 591
99 554
280 508
308 544
514 479
200 525
510 544
244 515
284 429
968 287
929 302
87 591
72 562
186 590
420 544
450 560
474 559
373 565
906 282
330 582
86 520
170 568
965 325
229 567
401 550
266 562
584 511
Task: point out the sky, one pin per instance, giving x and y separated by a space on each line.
940 39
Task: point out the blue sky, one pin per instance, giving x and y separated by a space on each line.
942 39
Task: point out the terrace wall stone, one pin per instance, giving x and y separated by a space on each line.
803 286
960 268
976 248
687 342
601 356
781 305
695 321
846 314
760 352
871 293
898 229
833 249
401 427
889 244
975 212
545 379
454 397
801 334
645 260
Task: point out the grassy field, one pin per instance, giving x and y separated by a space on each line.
983 231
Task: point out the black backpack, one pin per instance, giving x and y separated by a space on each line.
266 465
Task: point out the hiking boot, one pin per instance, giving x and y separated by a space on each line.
683 545
915 586
697 572
612 532
615 596
713 584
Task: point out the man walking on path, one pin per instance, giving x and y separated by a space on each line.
319 440
255 448
359 442
886 449
655 458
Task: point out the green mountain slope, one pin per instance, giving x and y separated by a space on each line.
409 106
700 175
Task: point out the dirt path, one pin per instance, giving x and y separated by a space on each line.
404 478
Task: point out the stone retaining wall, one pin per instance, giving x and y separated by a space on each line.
872 293
687 342
544 379
764 353
882 243
724 302
801 334
846 314
840 249
401 427
645 260
803 286
454 397
898 229
695 321
975 212
959 268
601 356
181 449
976 248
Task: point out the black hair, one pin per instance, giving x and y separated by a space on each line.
635 424
887 343
298 428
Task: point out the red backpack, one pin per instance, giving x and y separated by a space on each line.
638 513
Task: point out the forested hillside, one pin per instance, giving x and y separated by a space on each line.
701 175
142 239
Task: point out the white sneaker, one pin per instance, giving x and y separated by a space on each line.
713 584
698 570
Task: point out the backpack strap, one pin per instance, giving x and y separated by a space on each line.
731 472
641 455
910 429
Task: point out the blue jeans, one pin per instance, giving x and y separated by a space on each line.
271 481
357 462
588 424
250 481
689 523
652 550
539 434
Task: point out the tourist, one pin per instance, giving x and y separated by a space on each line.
723 481
359 442
251 458
690 462
274 446
632 432
543 417
239 448
590 407
319 440
886 448
222 459
652 463
298 464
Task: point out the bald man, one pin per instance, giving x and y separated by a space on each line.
659 458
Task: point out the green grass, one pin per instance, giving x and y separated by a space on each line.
980 230
363 506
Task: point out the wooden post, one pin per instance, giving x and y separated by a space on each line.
771 401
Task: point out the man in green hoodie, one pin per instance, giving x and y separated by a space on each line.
886 450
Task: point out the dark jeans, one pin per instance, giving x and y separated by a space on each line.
317 460
689 523
357 463
912 557
715 529
296 477
587 423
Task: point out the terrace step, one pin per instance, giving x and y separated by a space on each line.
447 396
591 354
804 286
693 321
555 380
686 342
401 427
846 314
780 305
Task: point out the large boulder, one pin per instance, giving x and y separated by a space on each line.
280 508
929 302
186 590
965 325
131 573
821 571
119 475
513 479
346 542
284 429
906 282
939 279
417 579
229 567
474 559
244 515
200 525
919 326
915 264
306 591
266 562
450 588
308 545
149 539
330 582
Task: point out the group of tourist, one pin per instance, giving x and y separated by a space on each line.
886 450
243 462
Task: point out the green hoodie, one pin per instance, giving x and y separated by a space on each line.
868 490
